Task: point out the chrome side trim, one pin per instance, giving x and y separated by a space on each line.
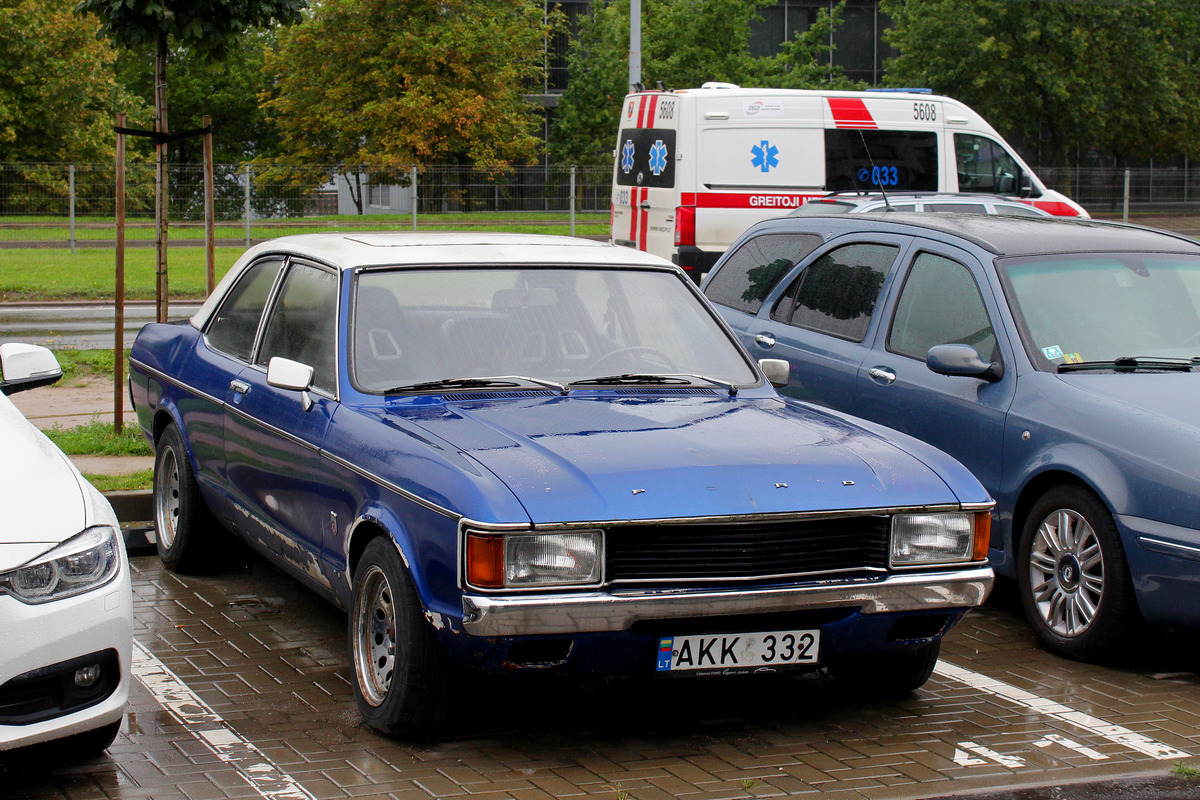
1170 548
595 612
325 453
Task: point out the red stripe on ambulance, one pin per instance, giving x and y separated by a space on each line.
850 112
783 202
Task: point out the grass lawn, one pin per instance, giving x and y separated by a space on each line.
55 273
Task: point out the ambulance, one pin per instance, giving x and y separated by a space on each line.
695 167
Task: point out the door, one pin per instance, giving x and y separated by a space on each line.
940 301
272 442
822 320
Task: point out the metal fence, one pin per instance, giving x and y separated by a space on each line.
74 204
61 205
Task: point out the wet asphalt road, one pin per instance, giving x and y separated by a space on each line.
243 691
84 326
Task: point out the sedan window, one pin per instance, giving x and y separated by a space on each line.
303 323
751 272
235 324
836 294
940 304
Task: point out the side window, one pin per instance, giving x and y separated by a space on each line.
940 304
865 160
985 166
751 272
235 324
957 208
302 325
837 293
1017 211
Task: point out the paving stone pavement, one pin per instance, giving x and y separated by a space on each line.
271 660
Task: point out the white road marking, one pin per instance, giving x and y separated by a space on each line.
1012 762
1094 725
201 721
1054 738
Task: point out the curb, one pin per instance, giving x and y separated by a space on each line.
135 512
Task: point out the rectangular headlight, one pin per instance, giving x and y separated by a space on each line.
517 560
932 538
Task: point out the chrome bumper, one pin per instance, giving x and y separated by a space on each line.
527 615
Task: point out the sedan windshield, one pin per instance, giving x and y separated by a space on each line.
428 326
1089 307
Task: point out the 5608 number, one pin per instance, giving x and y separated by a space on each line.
925 111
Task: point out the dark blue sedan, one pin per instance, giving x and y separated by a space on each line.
510 453
1056 359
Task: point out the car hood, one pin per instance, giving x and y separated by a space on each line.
601 457
1171 396
40 491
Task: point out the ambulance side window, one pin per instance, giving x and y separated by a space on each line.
862 160
751 272
985 165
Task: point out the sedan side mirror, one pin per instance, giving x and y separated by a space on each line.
962 360
283 373
777 370
26 366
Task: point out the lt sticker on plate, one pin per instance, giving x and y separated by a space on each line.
1052 352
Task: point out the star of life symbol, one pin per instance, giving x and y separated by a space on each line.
766 155
627 156
658 157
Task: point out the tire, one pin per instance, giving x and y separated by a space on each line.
182 523
1073 576
889 674
402 676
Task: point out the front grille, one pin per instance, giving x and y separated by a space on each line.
664 554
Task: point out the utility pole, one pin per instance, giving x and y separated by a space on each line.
635 42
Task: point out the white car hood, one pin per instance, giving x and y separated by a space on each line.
41 492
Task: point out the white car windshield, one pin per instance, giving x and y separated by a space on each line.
1097 307
417 326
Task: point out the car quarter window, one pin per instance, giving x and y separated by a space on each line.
837 293
235 324
302 325
960 208
751 272
940 304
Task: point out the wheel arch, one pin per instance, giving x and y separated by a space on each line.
1042 483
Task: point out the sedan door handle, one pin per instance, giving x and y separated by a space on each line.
882 375
644 205
765 339
239 387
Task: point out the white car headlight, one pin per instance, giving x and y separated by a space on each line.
516 560
80 564
937 538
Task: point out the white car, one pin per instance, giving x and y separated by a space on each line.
66 614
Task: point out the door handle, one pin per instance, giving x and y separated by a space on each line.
239 387
644 205
765 340
882 375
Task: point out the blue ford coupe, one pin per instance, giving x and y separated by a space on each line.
1057 359
503 452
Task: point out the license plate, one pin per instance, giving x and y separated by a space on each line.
738 651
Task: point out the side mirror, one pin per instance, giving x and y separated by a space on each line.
777 370
1026 187
283 373
26 366
963 361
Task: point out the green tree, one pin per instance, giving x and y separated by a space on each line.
226 89
684 44
1055 76
57 85
366 84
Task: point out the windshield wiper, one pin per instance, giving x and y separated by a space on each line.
476 383
1133 363
673 378
629 377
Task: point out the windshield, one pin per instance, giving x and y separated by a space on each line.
416 326
1100 307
